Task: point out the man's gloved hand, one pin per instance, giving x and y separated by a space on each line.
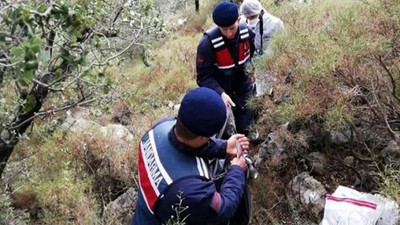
227 100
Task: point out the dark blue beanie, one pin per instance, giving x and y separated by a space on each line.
225 14
202 111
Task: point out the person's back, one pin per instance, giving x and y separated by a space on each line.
173 167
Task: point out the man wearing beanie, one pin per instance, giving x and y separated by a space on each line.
173 166
223 58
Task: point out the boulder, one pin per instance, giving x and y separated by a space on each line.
121 208
316 162
307 194
391 154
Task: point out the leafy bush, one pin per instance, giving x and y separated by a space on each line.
390 176
54 56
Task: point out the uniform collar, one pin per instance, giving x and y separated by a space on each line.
201 151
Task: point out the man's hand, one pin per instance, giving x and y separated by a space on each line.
231 149
227 100
240 162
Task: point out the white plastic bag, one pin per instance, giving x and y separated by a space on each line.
347 206
390 212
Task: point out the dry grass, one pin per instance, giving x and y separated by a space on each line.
94 153
68 174
170 75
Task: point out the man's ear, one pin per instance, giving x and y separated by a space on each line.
238 19
204 139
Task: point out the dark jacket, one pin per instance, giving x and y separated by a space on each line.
221 62
170 172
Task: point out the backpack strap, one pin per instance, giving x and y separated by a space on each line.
244 31
261 30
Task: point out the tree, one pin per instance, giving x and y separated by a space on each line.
51 49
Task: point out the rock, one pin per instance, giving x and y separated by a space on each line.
5 135
104 150
369 135
74 114
271 148
316 161
117 132
348 160
122 115
289 78
171 104
306 191
340 138
121 208
182 21
82 125
254 136
391 153
282 99
77 112
362 131
263 88
264 82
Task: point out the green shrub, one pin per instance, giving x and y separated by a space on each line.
390 182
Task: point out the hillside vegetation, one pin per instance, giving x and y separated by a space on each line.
336 72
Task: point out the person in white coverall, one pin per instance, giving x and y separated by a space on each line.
263 24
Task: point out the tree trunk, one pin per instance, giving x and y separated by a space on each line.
197 5
9 135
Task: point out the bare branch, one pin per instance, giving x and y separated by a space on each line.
116 55
7 35
2 71
46 85
395 136
117 12
9 65
390 76
5 8
45 13
46 112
